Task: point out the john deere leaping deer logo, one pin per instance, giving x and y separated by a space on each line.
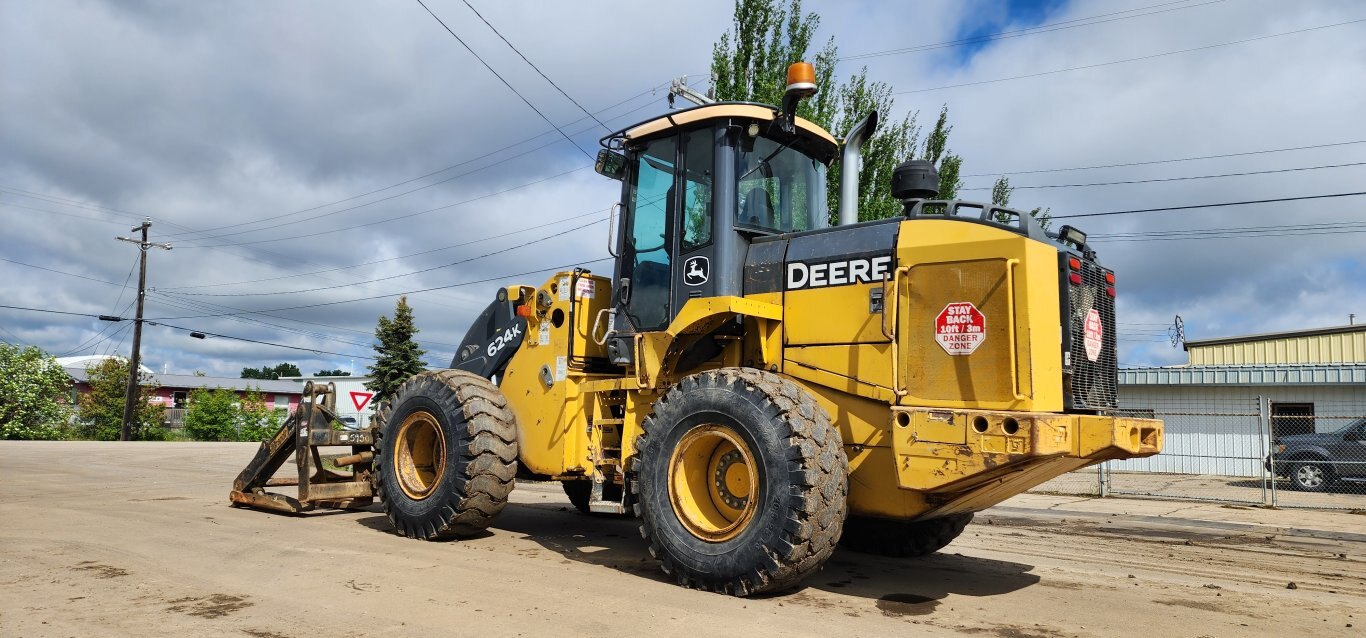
695 271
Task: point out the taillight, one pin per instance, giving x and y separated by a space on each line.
1110 290
1110 278
1075 278
1074 263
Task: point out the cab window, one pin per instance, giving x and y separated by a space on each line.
781 188
698 167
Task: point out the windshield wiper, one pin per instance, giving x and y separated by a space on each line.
764 162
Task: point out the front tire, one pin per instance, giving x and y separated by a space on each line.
1310 476
902 539
446 455
742 482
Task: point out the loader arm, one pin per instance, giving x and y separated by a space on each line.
495 335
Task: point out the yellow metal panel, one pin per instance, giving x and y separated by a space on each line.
1336 348
868 363
999 272
834 314
552 420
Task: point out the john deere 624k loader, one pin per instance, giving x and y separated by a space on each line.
753 382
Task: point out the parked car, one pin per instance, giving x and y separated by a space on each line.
1314 461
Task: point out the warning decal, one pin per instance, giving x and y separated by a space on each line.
1094 334
960 328
361 399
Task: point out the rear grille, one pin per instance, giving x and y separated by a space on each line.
1090 385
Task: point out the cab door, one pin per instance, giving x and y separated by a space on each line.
694 275
645 268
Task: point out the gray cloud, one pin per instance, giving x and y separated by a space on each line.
204 115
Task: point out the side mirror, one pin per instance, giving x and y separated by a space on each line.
610 164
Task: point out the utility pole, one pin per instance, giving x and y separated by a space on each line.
131 396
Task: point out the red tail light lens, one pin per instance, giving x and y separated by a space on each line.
1074 263
1075 279
1110 278
1110 291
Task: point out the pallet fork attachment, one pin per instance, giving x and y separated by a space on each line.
309 428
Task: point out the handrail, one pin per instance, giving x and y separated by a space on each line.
1010 325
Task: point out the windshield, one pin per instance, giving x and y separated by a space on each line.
781 189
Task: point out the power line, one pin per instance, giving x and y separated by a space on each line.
109 328
448 168
1215 205
389 259
264 343
409 292
201 307
1270 228
196 304
538 240
385 220
1138 59
53 212
395 218
166 325
1043 28
533 66
505 82
59 272
1167 161
1176 179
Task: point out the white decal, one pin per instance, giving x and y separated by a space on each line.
586 288
1094 334
561 368
862 270
564 288
545 333
502 340
695 270
960 328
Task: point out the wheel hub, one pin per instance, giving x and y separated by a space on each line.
1310 476
419 455
713 483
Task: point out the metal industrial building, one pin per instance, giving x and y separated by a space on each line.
1236 395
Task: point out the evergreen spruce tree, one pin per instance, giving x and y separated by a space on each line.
399 356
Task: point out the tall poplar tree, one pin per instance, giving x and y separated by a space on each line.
399 356
749 63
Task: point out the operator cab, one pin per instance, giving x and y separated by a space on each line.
697 186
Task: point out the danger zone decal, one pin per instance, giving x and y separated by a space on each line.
960 328
1093 334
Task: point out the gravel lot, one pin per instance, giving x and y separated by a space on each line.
109 539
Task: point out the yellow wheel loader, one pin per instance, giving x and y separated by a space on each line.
757 380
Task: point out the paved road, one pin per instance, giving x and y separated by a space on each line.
137 539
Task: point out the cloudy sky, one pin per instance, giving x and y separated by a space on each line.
311 160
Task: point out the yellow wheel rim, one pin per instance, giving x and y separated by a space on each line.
713 485
419 455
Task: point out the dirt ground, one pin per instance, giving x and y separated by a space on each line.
108 539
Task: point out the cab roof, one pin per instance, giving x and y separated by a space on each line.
720 110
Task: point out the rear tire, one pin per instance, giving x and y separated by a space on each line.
446 454
581 492
1310 476
742 482
902 539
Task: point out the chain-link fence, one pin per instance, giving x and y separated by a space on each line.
1249 450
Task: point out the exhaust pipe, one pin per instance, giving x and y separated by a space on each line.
849 167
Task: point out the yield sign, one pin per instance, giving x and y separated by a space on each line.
361 399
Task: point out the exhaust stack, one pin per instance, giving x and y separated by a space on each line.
849 167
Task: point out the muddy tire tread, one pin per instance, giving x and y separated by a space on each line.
489 444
